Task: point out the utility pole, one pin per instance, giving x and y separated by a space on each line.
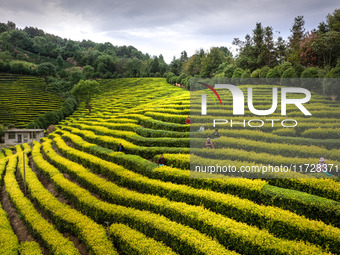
108 228
23 160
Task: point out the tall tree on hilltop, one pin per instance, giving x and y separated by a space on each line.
280 49
211 62
85 90
297 33
327 42
269 54
333 21
184 56
259 49
193 65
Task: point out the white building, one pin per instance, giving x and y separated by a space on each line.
19 136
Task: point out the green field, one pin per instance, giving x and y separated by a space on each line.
24 98
162 210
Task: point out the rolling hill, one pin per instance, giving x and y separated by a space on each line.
83 196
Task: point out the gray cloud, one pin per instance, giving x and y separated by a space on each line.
163 26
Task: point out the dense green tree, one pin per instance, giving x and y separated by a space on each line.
229 70
3 27
70 49
331 86
18 68
11 25
85 90
46 69
133 67
184 56
2 130
211 61
273 73
33 32
88 71
280 49
4 66
169 76
75 75
290 73
259 49
264 71
175 66
154 65
245 77
333 21
193 65
60 62
283 67
39 45
269 49
310 79
106 63
297 33
255 73
20 39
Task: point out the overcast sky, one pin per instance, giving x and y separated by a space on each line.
162 26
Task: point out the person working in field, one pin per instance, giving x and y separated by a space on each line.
321 167
216 134
188 121
120 148
201 129
209 144
161 161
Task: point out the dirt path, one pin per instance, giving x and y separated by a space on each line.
17 224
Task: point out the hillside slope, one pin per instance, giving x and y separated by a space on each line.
153 209
23 98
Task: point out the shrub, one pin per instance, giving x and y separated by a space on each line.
229 71
298 69
255 73
289 73
311 72
273 73
91 233
322 133
237 74
310 79
41 228
331 86
281 68
263 72
2 130
154 225
288 76
53 117
30 248
285 132
33 125
245 78
131 241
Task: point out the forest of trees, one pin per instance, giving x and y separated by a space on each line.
261 54
305 54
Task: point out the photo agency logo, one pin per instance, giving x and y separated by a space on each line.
238 100
255 129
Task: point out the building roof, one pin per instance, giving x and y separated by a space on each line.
16 130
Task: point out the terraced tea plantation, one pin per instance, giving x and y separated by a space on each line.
23 98
83 196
